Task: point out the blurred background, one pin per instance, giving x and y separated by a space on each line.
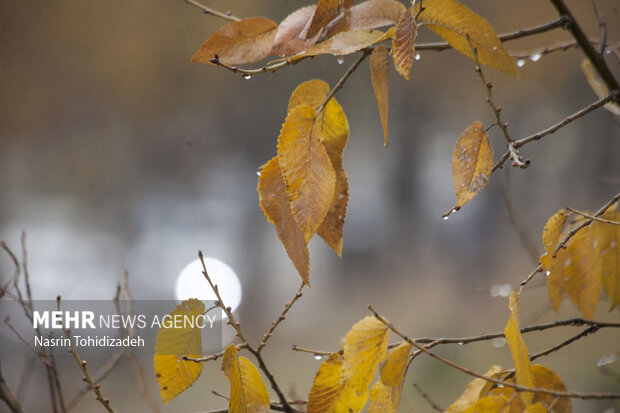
117 153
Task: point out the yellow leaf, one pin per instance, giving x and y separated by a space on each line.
403 49
582 275
518 350
599 87
472 393
326 386
379 70
472 163
536 408
385 393
308 172
326 11
287 40
334 128
607 248
454 22
368 15
365 347
274 203
248 393
175 375
345 42
552 230
245 41
490 404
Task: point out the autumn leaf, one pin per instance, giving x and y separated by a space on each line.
326 386
245 41
552 230
490 404
365 347
403 49
248 393
379 70
518 350
368 15
173 374
599 87
326 11
607 248
308 172
582 272
274 203
287 40
472 393
345 43
455 22
536 408
472 163
551 236
385 393
334 127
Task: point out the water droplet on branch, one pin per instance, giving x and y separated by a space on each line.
535 57
521 62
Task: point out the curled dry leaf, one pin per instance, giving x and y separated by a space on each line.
379 71
368 15
325 12
308 172
175 375
245 41
287 40
518 350
248 393
403 49
454 22
472 163
275 205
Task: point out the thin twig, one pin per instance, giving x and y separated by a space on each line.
427 398
211 357
529 277
365 53
315 352
8 397
236 325
515 220
584 396
208 10
585 223
275 324
602 26
584 214
587 331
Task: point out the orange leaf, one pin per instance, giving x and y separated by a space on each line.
368 15
346 42
275 205
379 70
245 41
310 93
308 172
287 40
403 49
472 163
326 11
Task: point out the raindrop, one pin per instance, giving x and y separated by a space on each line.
608 359
258 173
318 357
461 343
607 51
494 48
501 386
445 217
340 196
548 273
521 62
535 57
247 77
417 56
340 60
499 342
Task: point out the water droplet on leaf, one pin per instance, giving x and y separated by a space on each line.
521 62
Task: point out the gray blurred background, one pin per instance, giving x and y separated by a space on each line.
117 153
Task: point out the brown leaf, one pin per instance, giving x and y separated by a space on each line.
379 70
308 172
368 15
455 22
403 49
275 205
245 41
287 40
472 163
310 93
326 11
345 43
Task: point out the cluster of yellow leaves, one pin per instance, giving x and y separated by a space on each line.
482 396
304 189
591 260
174 374
342 383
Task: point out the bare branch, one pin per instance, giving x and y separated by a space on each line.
8 397
583 214
275 324
208 10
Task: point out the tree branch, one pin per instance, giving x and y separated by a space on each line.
8 397
281 318
207 10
